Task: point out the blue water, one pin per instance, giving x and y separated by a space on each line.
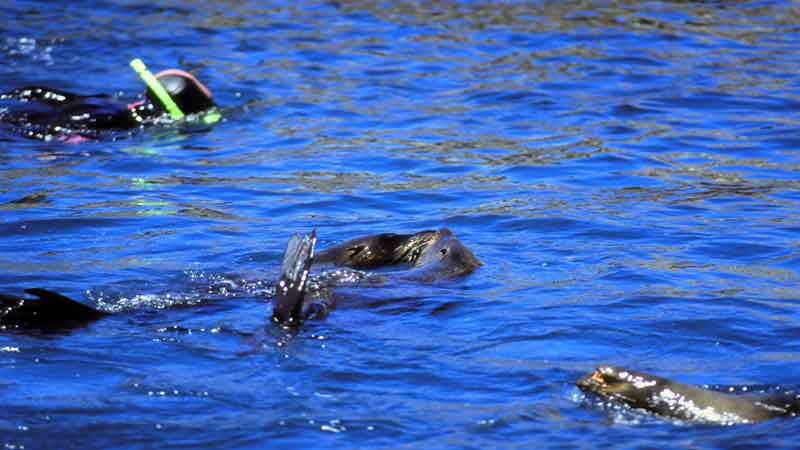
627 172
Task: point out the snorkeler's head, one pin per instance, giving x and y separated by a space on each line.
186 91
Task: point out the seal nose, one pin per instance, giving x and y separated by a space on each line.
464 254
584 381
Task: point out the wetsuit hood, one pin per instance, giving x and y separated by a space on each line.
188 92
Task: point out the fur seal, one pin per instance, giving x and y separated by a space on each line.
50 312
683 401
424 256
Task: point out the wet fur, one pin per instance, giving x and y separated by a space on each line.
49 310
683 401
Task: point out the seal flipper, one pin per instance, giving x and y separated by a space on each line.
287 306
51 310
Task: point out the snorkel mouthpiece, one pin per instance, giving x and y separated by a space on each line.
157 88
211 117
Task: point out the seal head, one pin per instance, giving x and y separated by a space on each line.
443 256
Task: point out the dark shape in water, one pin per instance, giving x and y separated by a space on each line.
292 284
683 401
429 254
50 311
425 256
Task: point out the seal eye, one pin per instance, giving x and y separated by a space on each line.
443 251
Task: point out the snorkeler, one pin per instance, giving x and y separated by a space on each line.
49 114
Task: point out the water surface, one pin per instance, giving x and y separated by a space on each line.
627 172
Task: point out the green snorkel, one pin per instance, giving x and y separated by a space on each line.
158 89
210 116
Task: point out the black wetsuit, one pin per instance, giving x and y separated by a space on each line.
47 114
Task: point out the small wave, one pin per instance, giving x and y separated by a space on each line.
28 47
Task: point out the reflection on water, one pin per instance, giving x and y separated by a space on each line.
627 172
